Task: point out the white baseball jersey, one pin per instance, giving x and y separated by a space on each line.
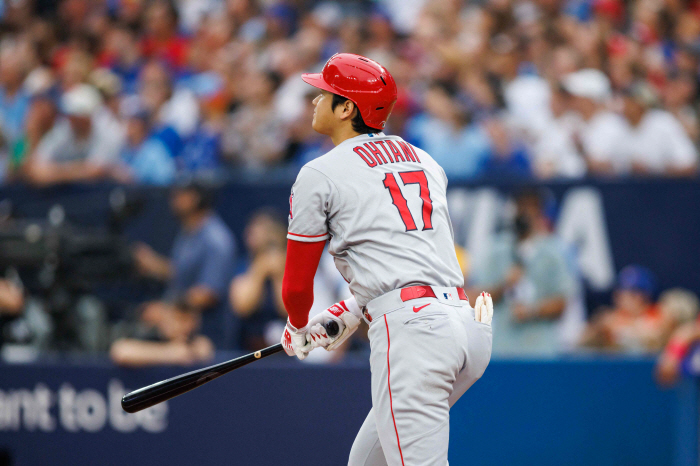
382 203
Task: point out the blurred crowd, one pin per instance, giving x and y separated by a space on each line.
216 293
539 293
144 90
151 91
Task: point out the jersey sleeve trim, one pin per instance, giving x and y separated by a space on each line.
307 238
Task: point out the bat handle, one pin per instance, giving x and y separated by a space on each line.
332 328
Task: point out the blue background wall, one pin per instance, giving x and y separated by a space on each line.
573 412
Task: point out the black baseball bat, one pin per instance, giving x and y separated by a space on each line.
166 389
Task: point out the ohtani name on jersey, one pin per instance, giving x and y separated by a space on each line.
371 153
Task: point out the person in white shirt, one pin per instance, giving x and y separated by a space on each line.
656 142
600 136
555 154
81 146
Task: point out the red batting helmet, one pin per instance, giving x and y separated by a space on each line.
367 83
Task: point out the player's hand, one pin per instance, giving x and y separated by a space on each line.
483 308
295 341
346 314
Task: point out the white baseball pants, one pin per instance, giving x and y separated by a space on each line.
426 353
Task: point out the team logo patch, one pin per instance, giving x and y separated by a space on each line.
336 310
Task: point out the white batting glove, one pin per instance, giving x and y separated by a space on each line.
483 308
295 341
346 314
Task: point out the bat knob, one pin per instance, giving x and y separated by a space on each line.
332 328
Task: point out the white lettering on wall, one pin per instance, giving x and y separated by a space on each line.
88 410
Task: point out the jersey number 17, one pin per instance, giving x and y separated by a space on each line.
414 177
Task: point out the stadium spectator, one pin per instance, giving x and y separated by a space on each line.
555 153
256 136
11 306
197 271
161 40
202 151
635 323
256 292
14 98
41 117
509 158
600 135
122 55
80 146
173 108
534 284
442 130
657 142
525 93
177 342
144 158
682 306
678 97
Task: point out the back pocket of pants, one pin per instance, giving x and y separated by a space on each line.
426 319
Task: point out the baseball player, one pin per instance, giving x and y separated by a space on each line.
381 203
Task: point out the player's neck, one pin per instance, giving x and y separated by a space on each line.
343 133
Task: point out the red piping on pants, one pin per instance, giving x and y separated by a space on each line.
388 381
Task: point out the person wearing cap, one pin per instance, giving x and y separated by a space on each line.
656 143
79 147
635 323
599 136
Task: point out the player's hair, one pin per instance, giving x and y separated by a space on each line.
358 124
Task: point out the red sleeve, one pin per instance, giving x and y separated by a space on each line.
298 282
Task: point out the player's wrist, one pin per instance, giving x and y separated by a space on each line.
296 324
351 306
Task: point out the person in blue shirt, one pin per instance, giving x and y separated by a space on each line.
145 159
201 152
509 157
14 99
191 316
443 130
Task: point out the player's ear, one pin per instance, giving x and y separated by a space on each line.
349 108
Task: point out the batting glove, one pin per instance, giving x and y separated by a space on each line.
483 308
295 341
346 314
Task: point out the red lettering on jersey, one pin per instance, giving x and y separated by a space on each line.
369 160
419 178
385 151
407 152
414 153
376 152
395 151
291 198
